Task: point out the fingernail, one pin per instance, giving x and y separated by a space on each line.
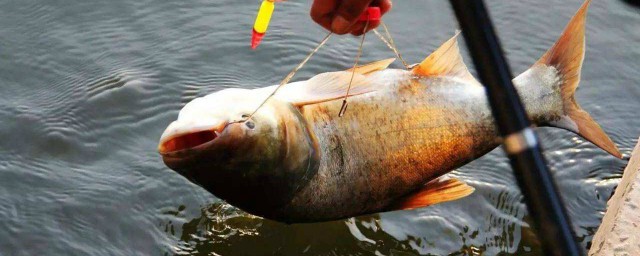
339 25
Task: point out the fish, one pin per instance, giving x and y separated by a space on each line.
296 161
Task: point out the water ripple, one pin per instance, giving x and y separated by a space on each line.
88 87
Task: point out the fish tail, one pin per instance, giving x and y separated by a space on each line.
566 56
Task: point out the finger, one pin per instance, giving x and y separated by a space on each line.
385 5
347 14
322 12
358 28
373 24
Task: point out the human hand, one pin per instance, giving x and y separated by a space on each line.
341 16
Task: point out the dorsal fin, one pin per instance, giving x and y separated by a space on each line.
445 61
434 192
325 87
373 66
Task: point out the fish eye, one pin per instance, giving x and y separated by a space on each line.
250 124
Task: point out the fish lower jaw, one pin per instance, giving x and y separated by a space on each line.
187 141
180 137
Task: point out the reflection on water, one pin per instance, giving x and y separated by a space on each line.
226 231
87 87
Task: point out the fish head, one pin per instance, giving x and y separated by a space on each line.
257 164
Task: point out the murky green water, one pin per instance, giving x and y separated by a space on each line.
86 88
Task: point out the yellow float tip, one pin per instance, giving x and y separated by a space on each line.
262 22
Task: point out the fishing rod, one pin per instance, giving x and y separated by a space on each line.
541 195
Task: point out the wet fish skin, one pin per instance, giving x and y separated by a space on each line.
257 169
299 162
391 142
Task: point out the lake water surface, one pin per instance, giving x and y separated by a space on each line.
87 87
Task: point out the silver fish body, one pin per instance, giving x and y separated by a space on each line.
295 160
393 141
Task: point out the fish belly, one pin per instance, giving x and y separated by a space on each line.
390 143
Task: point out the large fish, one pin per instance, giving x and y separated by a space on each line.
295 160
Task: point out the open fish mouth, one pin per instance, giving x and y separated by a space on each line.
180 140
187 141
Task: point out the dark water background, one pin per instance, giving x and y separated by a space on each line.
87 87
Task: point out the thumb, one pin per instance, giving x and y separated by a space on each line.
347 14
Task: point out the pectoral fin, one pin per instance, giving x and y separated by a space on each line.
445 61
434 192
373 66
326 87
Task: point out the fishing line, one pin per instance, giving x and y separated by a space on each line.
391 44
343 108
291 74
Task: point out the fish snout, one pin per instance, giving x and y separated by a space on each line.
181 137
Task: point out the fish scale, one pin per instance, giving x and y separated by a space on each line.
294 160
400 135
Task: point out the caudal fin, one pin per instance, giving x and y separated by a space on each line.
566 57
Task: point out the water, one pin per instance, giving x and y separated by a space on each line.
88 86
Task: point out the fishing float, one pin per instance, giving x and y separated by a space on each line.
267 7
262 22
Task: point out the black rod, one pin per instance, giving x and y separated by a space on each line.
544 204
